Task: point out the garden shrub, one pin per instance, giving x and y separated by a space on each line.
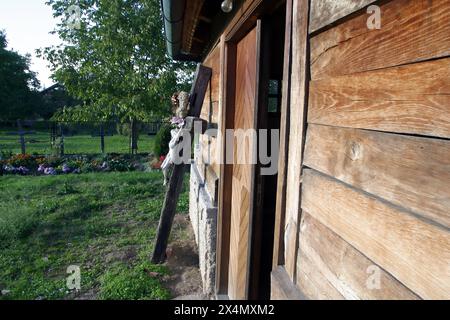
25 160
162 139
52 165
120 165
5 154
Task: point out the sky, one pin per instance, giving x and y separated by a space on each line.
27 24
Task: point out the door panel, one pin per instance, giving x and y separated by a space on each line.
243 173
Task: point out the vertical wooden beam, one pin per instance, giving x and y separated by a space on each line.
255 291
299 83
168 213
171 199
202 79
278 245
61 140
21 136
226 105
198 92
102 138
53 134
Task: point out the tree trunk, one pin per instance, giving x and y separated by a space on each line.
102 138
133 137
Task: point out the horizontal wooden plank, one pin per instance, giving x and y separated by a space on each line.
415 252
411 31
412 99
325 12
312 283
408 171
344 270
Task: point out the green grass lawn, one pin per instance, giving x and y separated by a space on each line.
78 144
103 222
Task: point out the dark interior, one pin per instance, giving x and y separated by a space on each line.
271 75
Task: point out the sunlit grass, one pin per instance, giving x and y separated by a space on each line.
103 222
39 143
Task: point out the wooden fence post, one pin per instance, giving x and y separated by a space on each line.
53 133
102 138
22 136
61 140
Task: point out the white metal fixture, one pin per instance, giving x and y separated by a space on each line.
227 6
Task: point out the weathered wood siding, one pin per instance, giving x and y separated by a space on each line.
330 268
365 209
326 12
203 198
208 149
375 189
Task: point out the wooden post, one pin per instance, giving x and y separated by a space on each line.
61 140
22 136
133 137
171 200
53 133
297 131
202 78
102 138
278 247
168 213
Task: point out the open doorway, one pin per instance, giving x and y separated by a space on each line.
269 116
254 72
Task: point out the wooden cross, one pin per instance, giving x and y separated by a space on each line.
198 92
21 133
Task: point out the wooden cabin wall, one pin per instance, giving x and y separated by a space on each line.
204 181
374 197
209 150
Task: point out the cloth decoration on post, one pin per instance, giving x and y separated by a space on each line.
180 103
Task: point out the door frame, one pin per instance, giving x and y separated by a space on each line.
246 19
226 199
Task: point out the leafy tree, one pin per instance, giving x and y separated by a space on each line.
19 96
114 60
55 98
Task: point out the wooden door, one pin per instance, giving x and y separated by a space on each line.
247 56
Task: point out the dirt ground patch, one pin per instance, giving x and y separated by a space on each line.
182 261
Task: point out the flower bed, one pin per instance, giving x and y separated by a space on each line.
38 165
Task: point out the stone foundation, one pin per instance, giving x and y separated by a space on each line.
203 215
